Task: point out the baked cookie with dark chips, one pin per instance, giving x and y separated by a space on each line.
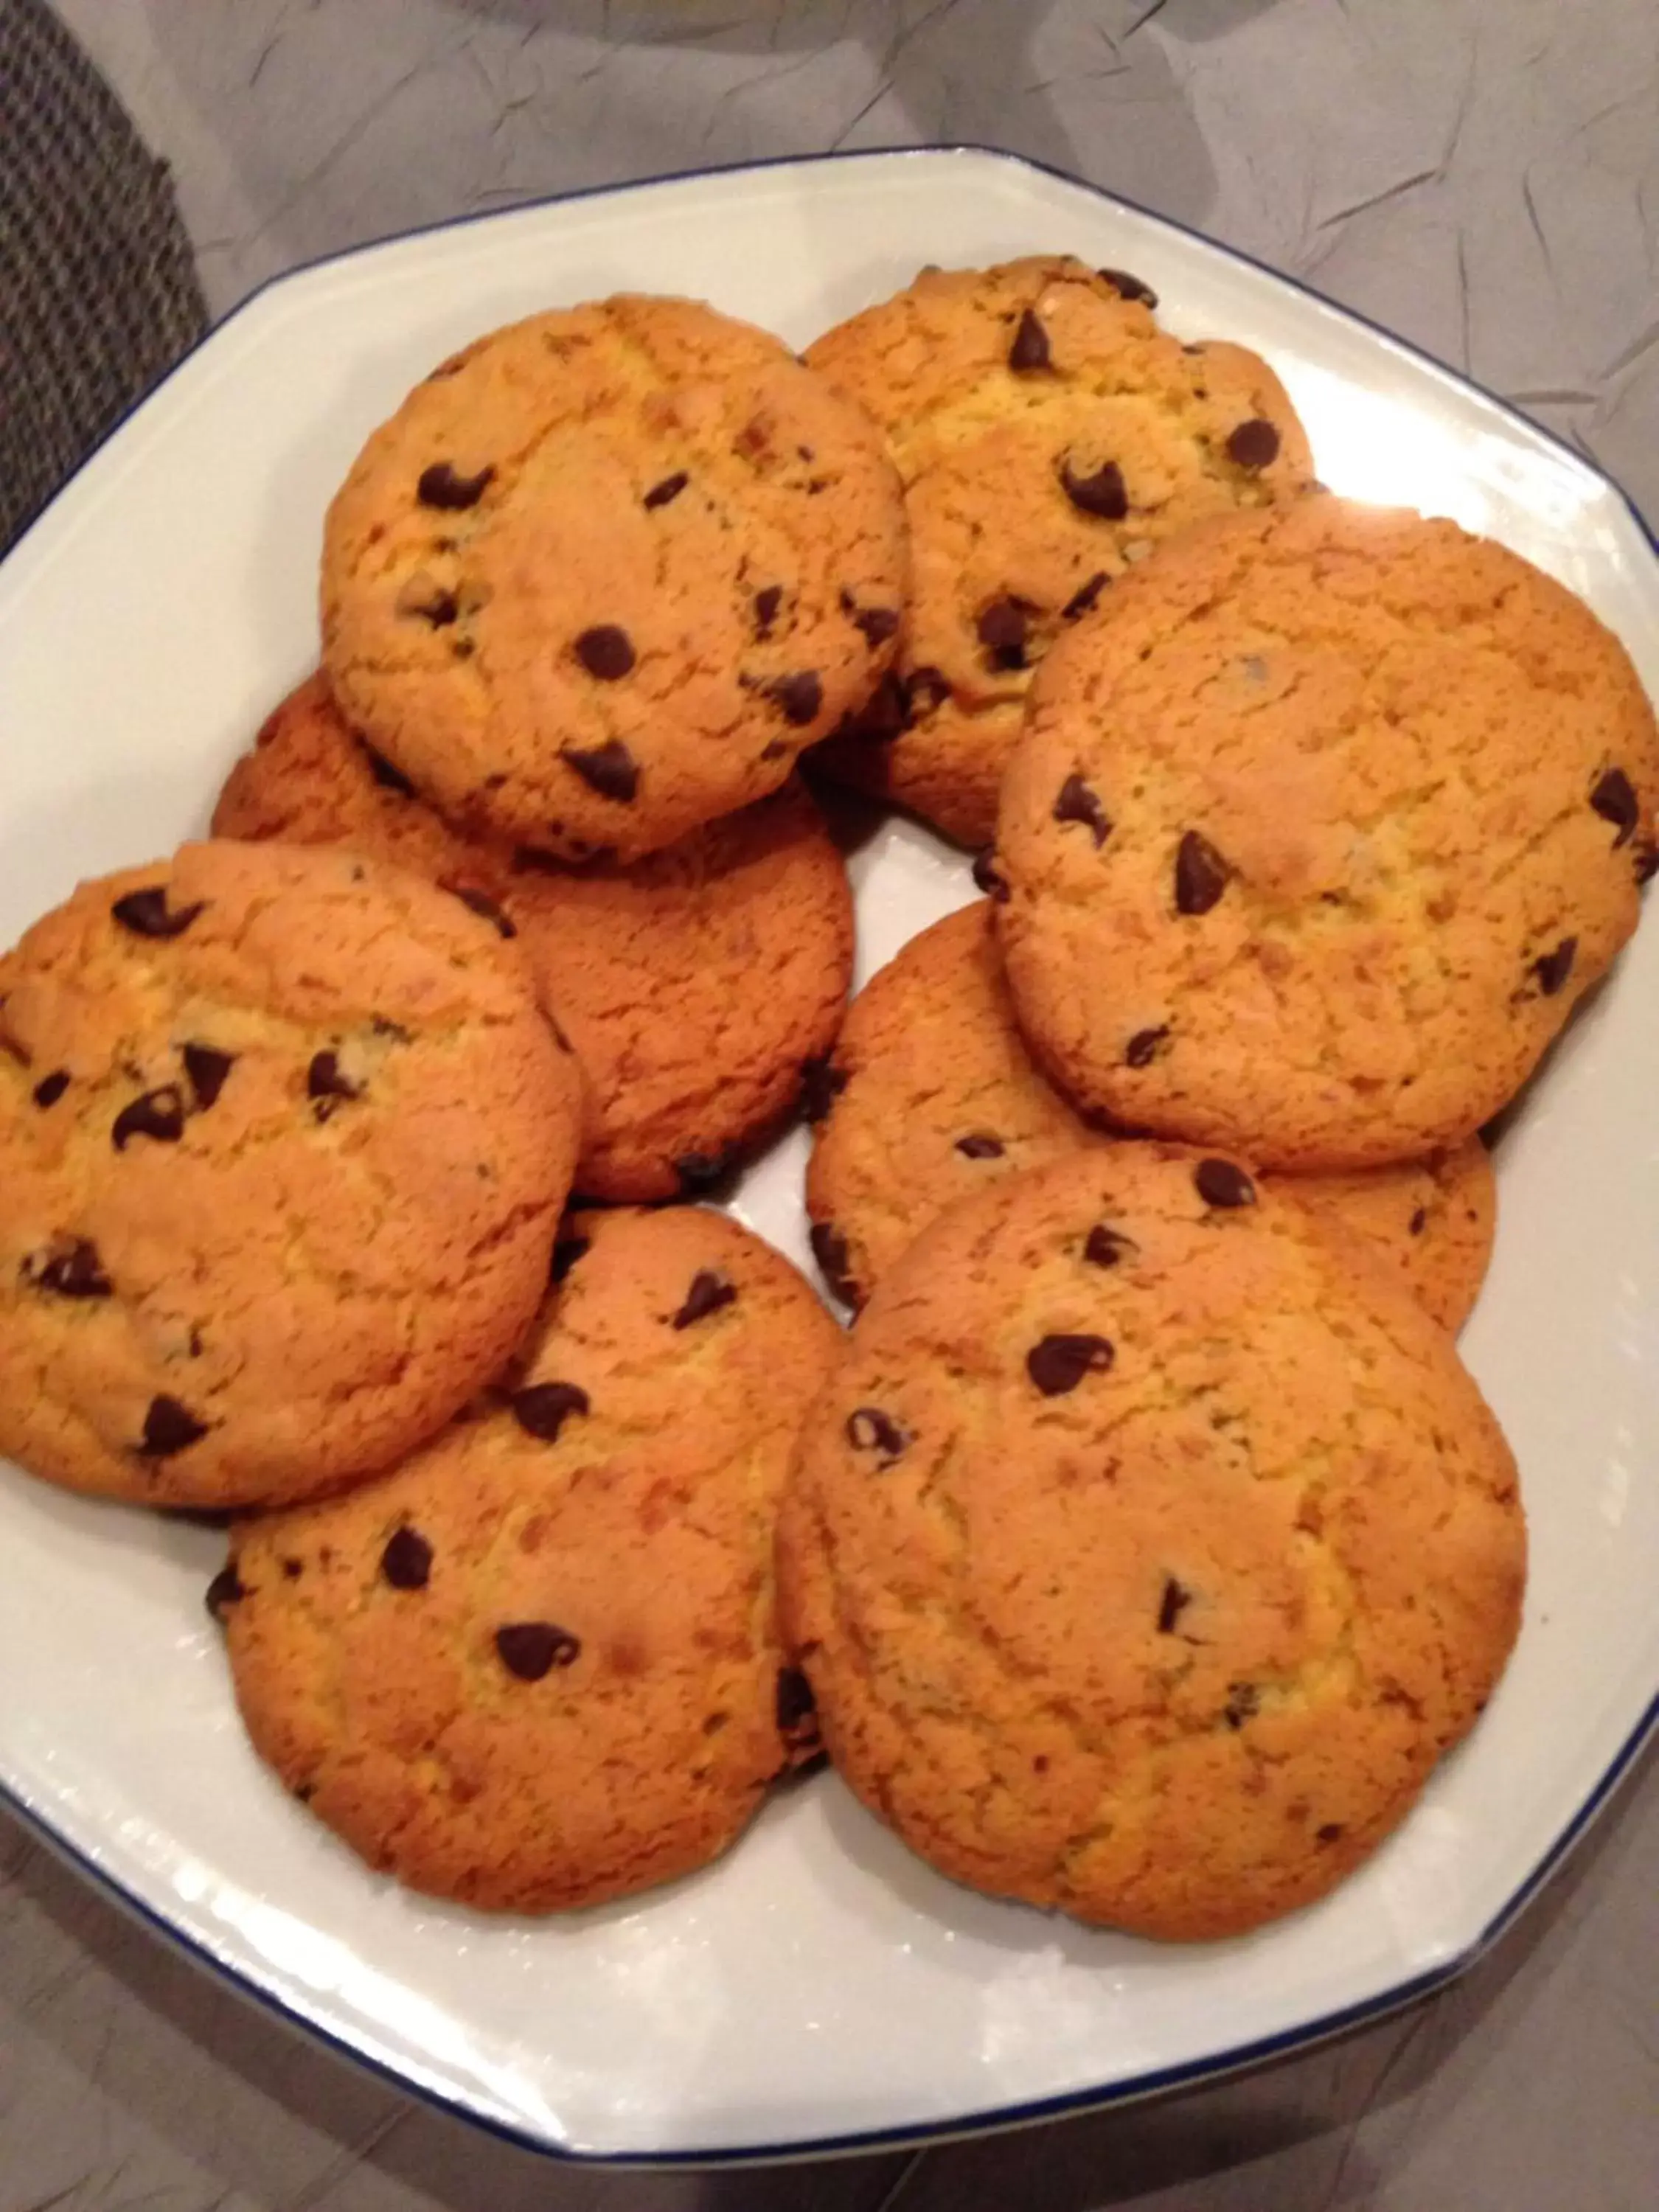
1144 1554
607 572
537 1665
284 1140
1050 435
1316 837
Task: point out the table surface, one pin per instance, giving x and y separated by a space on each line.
1481 176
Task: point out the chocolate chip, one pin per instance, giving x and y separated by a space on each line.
1218 1183
50 1088
1099 491
1058 1363
146 913
530 1649
483 905
157 1114
1003 629
207 1068
986 875
567 1250
1242 1699
980 1147
1174 1602
1647 862
406 1562
169 1427
542 1410
1128 286
1029 350
1142 1049
868 1429
439 486
1419 1221
1084 599
710 1291
393 779
1614 799
1554 968
1079 802
70 1269
1201 874
611 769
1332 1831
605 652
226 1589
326 1083
767 603
424 596
796 1709
700 1171
925 690
883 718
670 488
1253 444
835 1262
821 1084
875 624
1105 1248
801 697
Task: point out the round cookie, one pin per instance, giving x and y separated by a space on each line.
284 1140
607 572
1318 833
537 1665
1048 437
693 985
1143 1554
931 1094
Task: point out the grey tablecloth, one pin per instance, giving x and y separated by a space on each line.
1481 175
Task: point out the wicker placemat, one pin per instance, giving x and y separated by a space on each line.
98 290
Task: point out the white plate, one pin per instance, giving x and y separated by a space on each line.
820 1984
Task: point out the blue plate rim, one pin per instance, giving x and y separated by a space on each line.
1159 2081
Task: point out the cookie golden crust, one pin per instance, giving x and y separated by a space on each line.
693 985
1318 833
1048 437
284 1141
1143 1555
607 571
931 1094
538 1666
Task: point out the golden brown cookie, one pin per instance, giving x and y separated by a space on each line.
283 1139
1049 436
931 1094
1318 833
608 571
1142 1553
694 985
537 1665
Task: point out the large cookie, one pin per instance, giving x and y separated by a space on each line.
283 1139
537 1665
1049 436
693 985
1143 1554
1317 836
607 572
931 1094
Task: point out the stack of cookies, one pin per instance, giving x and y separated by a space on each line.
1146 1544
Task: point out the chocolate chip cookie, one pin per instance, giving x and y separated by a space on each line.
537 1665
1317 836
284 1140
694 985
1050 435
607 572
1143 1556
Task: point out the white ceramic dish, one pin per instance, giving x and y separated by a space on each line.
820 1986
